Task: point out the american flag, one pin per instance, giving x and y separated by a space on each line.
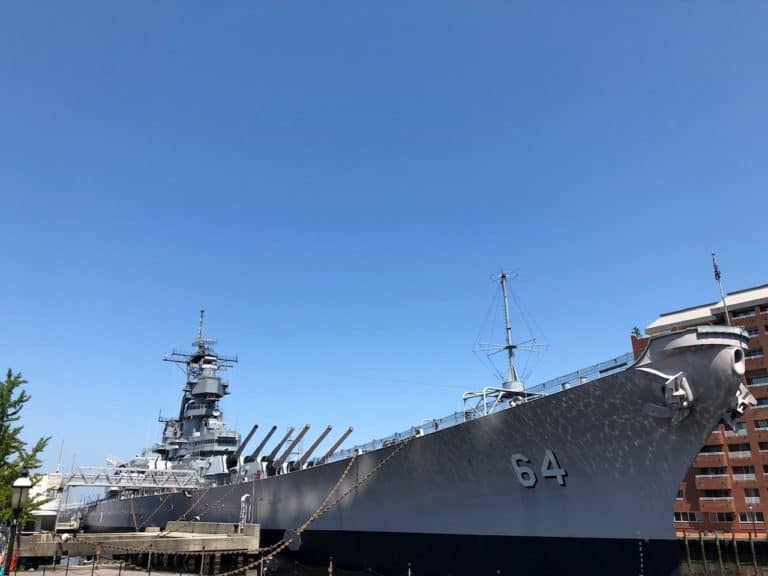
716 268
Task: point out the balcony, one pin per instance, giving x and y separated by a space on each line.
740 455
752 500
710 460
744 477
736 433
716 504
712 481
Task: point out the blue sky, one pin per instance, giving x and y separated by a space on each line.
336 182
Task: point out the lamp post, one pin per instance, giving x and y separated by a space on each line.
19 495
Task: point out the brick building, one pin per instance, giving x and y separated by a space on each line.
726 489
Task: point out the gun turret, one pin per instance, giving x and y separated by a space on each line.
291 446
255 454
304 457
338 442
233 459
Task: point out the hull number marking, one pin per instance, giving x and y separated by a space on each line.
550 468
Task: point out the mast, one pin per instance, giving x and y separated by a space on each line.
512 382
200 326
716 269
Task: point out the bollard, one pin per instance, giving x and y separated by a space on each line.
330 566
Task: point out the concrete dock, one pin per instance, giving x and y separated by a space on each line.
179 538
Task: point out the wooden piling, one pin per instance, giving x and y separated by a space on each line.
703 553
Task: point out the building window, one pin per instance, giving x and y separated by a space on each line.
711 471
723 493
753 332
686 516
759 381
751 517
752 492
761 424
712 449
763 446
743 447
680 494
756 353
762 401
721 516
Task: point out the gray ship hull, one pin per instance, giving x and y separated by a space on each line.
583 480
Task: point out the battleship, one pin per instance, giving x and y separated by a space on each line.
575 475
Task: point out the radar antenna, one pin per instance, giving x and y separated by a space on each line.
203 346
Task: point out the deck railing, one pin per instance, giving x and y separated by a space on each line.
532 393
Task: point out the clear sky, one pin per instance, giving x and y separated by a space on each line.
335 183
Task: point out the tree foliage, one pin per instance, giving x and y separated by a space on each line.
15 456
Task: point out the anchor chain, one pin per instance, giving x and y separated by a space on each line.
133 515
323 508
155 511
271 551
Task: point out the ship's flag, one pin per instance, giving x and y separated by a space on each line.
715 267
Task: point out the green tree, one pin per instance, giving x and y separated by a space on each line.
15 456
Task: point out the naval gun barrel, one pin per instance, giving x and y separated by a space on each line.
233 459
255 454
291 446
273 454
338 442
315 444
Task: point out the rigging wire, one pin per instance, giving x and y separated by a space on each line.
533 356
488 325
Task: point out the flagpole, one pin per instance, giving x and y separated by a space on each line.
720 284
